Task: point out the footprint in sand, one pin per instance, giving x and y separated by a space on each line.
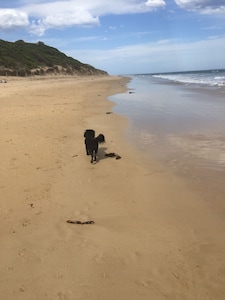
133 257
71 232
26 222
144 283
64 296
63 231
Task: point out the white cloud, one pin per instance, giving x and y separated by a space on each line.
70 19
11 18
203 6
156 3
39 16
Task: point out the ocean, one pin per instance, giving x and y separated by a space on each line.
179 120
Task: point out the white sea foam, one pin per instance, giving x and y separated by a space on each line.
206 78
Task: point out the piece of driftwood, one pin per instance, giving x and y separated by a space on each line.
80 222
112 154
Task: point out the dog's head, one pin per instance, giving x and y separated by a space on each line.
89 133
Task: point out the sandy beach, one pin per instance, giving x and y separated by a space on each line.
152 237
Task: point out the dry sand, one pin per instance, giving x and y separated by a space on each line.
153 238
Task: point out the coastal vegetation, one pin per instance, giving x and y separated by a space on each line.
25 59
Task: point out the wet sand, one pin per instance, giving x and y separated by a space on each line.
152 238
182 127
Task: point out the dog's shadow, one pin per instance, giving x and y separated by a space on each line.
101 153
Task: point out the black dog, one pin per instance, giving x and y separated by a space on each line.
91 143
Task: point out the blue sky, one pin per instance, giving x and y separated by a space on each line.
123 36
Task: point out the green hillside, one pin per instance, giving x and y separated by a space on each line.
24 59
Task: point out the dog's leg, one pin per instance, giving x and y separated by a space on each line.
86 148
92 157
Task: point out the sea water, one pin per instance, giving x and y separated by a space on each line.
178 119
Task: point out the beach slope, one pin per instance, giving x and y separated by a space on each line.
150 237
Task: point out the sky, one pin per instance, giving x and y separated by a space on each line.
123 36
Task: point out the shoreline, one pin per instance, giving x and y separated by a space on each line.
152 236
182 143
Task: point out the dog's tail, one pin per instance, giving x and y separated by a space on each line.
100 138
